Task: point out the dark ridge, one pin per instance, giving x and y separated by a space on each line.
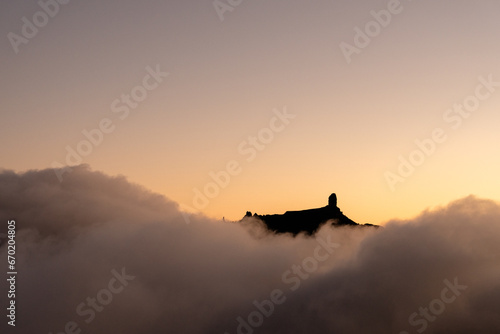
305 221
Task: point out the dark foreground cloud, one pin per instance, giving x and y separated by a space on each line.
97 254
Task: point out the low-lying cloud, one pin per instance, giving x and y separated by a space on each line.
100 255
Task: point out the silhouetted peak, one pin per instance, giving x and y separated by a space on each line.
307 221
332 200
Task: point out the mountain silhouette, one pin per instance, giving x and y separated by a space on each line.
305 221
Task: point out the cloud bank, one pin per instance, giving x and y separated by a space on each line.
96 254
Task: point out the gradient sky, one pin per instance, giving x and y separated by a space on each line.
352 121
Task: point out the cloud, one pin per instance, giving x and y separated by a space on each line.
75 237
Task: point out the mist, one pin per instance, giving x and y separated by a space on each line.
98 254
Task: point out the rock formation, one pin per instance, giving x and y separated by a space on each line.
307 221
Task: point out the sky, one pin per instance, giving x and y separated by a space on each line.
282 103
